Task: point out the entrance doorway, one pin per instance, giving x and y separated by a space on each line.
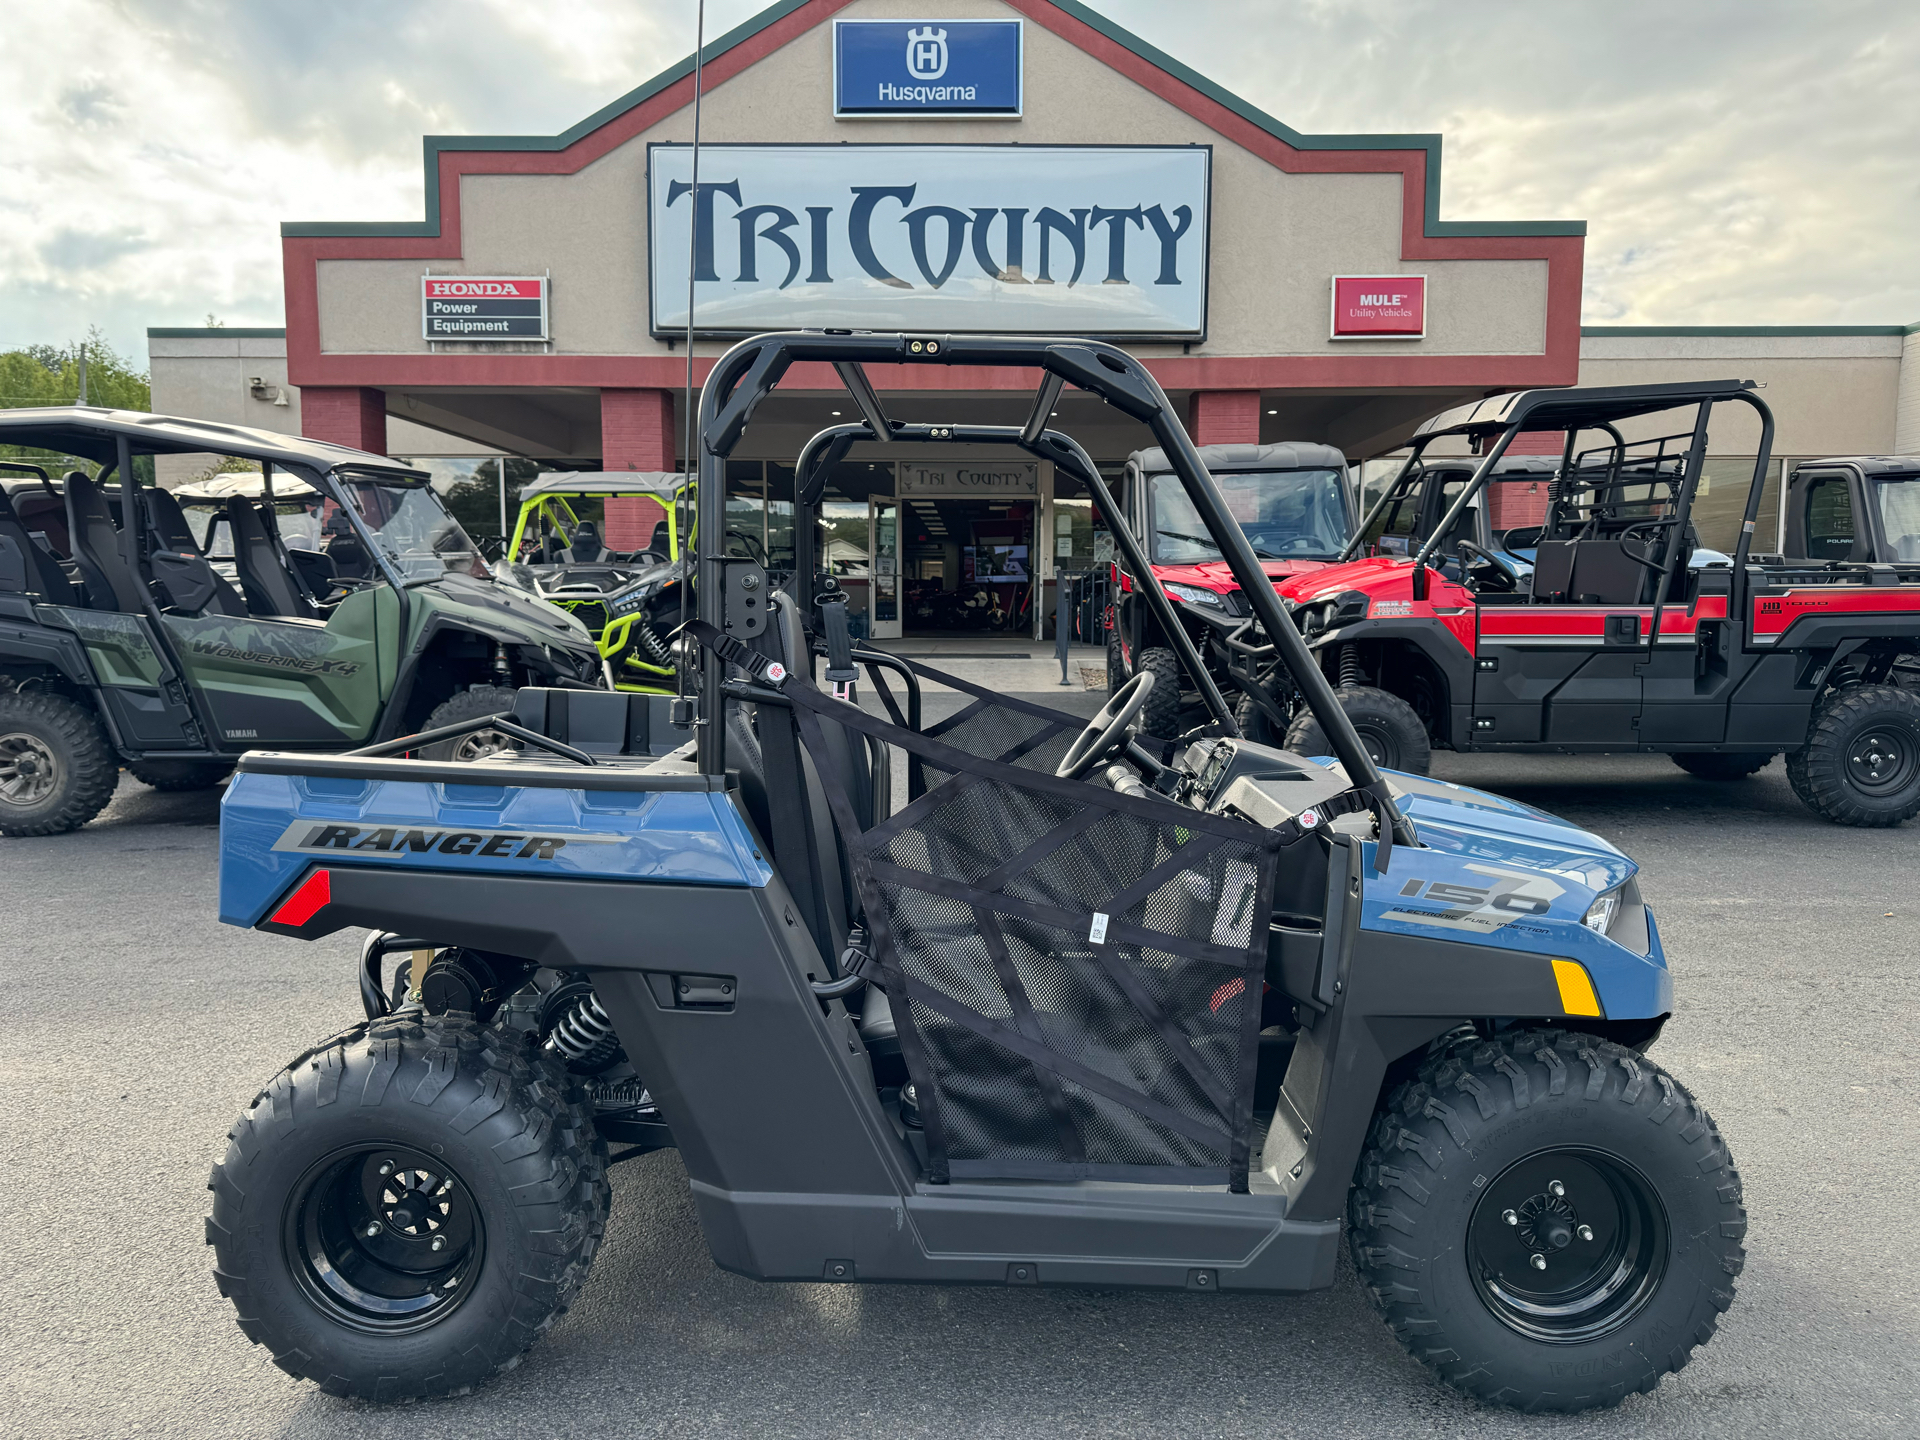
968 565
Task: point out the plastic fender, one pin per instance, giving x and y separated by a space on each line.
1498 889
496 611
274 828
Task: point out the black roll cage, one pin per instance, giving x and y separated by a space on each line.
1572 411
748 373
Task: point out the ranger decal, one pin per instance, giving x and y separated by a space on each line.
330 838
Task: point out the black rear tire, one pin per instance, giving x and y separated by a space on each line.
482 700
330 1260
1531 1312
1863 757
1388 726
1722 765
180 775
1254 724
1161 716
56 770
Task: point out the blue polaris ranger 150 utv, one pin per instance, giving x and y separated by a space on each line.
1002 999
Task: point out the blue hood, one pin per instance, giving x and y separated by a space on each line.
1495 872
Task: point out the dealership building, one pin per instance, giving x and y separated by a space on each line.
964 165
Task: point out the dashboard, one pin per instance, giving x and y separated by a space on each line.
1262 784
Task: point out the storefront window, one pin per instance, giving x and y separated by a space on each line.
1722 498
780 516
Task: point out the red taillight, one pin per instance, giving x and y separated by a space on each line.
299 908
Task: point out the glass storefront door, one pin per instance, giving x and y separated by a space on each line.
883 550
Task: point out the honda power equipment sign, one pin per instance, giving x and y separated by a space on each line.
1039 239
927 67
483 307
1379 307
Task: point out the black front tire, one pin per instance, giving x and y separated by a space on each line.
1530 1312
180 775
330 1260
1254 724
1116 666
56 770
1388 726
472 704
1161 716
1863 756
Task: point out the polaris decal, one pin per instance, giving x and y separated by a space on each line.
329 838
1520 895
306 664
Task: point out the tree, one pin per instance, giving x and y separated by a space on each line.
50 375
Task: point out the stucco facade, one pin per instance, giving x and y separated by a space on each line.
1285 214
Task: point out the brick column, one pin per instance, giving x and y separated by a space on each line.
345 415
1224 417
637 430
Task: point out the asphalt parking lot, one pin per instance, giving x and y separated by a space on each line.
137 1027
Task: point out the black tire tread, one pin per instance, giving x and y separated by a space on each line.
1305 736
1161 716
94 769
554 1142
1466 1089
1816 771
468 704
1722 765
179 775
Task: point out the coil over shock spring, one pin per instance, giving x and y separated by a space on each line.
583 1030
651 642
1351 666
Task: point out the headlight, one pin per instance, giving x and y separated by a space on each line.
1194 595
1600 915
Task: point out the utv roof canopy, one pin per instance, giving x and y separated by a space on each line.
1590 407
661 484
94 433
1287 455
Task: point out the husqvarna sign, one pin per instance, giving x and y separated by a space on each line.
1082 240
927 67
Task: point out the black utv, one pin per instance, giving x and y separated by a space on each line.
1854 510
123 642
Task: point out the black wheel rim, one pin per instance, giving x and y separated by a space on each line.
1881 759
29 770
1380 747
384 1239
1568 1245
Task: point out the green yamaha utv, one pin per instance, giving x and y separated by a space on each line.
121 642
1005 999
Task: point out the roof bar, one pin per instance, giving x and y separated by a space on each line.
1044 398
858 386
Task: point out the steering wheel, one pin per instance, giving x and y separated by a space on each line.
1107 732
1501 578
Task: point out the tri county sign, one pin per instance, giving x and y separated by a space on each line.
1003 239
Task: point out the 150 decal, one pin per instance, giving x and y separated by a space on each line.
1518 895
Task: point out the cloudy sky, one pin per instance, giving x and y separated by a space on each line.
1737 161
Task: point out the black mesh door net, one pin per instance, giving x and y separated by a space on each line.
1075 974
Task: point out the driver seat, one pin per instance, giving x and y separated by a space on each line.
587 547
